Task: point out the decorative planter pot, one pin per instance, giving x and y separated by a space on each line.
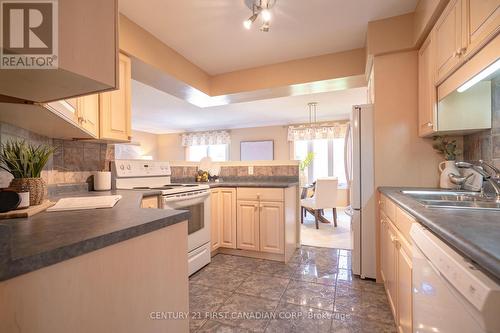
36 187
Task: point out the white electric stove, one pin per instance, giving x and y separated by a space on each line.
156 175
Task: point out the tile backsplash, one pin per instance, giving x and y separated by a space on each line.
185 173
72 162
485 145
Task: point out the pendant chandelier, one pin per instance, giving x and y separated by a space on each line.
260 8
315 130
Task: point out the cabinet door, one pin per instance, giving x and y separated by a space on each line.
272 227
391 282
115 107
215 208
449 43
227 218
247 225
88 113
383 248
426 88
482 22
404 267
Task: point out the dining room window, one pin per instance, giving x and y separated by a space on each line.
328 158
218 152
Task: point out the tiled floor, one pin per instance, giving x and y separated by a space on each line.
315 292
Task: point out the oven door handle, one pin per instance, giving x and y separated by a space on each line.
186 197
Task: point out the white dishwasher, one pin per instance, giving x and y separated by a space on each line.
449 294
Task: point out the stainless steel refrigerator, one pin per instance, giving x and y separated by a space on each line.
360 177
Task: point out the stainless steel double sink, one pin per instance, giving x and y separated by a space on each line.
453 199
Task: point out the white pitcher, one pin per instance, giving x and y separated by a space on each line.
447 167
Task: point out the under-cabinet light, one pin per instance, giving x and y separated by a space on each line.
481 76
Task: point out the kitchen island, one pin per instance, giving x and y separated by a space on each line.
122 269
256 218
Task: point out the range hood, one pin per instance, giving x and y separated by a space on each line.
54 120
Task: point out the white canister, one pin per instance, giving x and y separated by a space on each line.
25 200
446 168
102 181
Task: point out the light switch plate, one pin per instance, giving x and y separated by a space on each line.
250 170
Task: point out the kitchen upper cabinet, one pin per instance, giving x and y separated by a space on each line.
482 22
449 39
215 227
114 106
87 39
88 113
427 96
247 226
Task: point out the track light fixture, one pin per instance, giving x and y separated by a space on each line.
262 8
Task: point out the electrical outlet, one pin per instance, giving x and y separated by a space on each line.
250 170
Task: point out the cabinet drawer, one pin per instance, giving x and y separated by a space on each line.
263 194
150 202
403 223
388 207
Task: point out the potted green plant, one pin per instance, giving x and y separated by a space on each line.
25 163
448 148
303 165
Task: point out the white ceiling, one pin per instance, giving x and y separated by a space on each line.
210 33
155 111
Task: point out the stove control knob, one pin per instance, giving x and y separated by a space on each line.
122 167
128 167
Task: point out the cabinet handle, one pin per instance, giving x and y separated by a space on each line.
429 124
394 239
462 51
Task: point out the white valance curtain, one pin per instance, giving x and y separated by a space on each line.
206 138
306 132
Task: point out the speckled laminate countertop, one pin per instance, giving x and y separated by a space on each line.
47 238
473 233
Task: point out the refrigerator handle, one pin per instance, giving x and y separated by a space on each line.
346 154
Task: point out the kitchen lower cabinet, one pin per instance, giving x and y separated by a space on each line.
396 262
404 287
247 225
255 222
223 218
272 227
389 261
150 202
215 225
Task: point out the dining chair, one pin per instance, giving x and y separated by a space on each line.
325 196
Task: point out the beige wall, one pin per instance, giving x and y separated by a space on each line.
170 147
278 134
148 142
401 157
